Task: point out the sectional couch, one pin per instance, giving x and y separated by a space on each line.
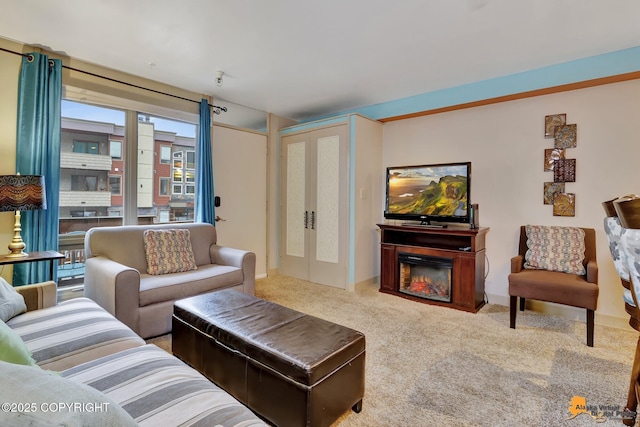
88 368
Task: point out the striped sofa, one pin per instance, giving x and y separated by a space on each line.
90 347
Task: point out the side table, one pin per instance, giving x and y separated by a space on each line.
50 256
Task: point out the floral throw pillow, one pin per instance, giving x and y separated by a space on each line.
555 248
168 251
613 229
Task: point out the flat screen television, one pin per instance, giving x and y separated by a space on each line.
438 192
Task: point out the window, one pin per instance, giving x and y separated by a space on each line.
84 183
190 176
115 149
165 154
86 147
164 187
189 189
158 141
191 159
114 185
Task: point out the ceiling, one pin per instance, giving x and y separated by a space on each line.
303 59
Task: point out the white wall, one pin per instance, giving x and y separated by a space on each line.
369 178
505 143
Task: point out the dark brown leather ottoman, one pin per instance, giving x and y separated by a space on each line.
290 368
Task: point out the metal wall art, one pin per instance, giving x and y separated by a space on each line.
565 136
550 157
550 190
551 122
564 170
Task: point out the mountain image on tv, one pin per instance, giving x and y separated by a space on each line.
426 193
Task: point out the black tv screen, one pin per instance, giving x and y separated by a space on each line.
437 192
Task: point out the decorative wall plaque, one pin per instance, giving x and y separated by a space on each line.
550 190
550 123
564 170
566 136
564 204
550 156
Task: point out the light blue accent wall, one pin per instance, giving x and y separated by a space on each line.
594 67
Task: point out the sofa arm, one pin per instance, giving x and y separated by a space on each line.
592 271
516 263
39 295
115 287
242 259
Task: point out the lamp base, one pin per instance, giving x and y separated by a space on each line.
16 247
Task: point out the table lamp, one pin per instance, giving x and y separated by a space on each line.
21 193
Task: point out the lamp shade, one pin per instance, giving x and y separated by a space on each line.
22 193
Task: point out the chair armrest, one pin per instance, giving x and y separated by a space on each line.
115 287
592 272
242 259
39 295
516 263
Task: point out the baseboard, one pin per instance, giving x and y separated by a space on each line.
366 283
568 312
261 276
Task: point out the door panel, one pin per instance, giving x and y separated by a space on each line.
294 214
240 170
328 239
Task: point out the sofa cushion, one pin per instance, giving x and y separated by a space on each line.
11 302
554 286
156 388
170 287
35 397
168 251
555 248
13 349
71 333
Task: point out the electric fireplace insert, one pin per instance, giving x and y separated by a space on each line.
425 276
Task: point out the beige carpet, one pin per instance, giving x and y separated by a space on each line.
434 366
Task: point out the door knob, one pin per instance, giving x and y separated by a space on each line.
218 219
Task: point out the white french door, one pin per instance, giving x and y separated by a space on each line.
314 195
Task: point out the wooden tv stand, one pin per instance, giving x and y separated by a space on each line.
463 246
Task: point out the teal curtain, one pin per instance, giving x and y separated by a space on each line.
205 208
38 153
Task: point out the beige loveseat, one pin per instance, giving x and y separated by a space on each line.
116 274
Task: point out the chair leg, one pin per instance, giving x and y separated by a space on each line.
522 301
629 416
590 316
513 301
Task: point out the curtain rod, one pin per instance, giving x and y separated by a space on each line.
217 109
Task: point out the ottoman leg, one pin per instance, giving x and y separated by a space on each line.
357 407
